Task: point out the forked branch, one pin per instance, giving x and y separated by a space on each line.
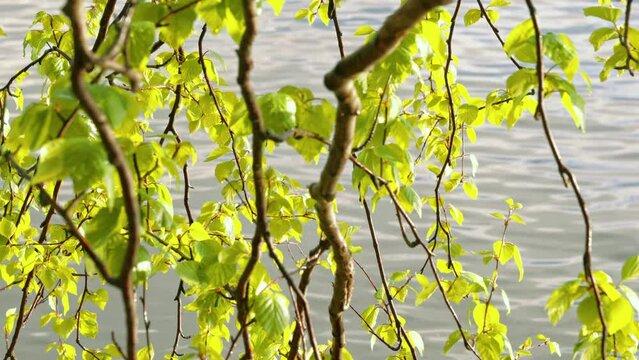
84 58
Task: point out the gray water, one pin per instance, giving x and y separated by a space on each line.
513 163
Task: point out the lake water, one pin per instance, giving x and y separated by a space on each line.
513 163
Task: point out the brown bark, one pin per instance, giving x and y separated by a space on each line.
340 81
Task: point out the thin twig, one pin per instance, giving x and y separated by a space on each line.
236 156
109 8
566 174
484 14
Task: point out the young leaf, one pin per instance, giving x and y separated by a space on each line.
562 299
370 316
517 257
471 190
83 160
630 269
178 27
506 300
601 35
520 43
521 82
457 215
475 279
278 111
472 16
364 30
453 338
417 341
117 105
618 314
277 6
141 39
603 12
271 312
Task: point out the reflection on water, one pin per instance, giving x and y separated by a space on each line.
513 163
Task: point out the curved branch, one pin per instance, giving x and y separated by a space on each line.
85 58
255 115
568 177
340 81
109 8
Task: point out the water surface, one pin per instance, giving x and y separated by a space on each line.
513 163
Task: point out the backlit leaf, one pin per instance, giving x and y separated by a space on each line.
271 312
83 160
603 12
472 16
630 269
471 190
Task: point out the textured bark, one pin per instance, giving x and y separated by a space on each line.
340 81
261 229
83 59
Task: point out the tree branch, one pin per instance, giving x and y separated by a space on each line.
566 174
340 81
261 230
84 58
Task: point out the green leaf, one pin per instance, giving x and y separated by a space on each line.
601 35
146 353
472 16
7 229
630 269
457 215
428 288
417 341
2 33
631 295
471 190
570 98
36 125
562 52
277 6
603 12
453 339
587 312
63 327
488 315
618 314
177 28
140 41
189 272
278 111
506 300
105 224
198 232
520 43
364 30
88 324
475 279
562 299
370 316
117 105
521 82
518 262
498 3
83 160
271 312
487 347
410 200
100 297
